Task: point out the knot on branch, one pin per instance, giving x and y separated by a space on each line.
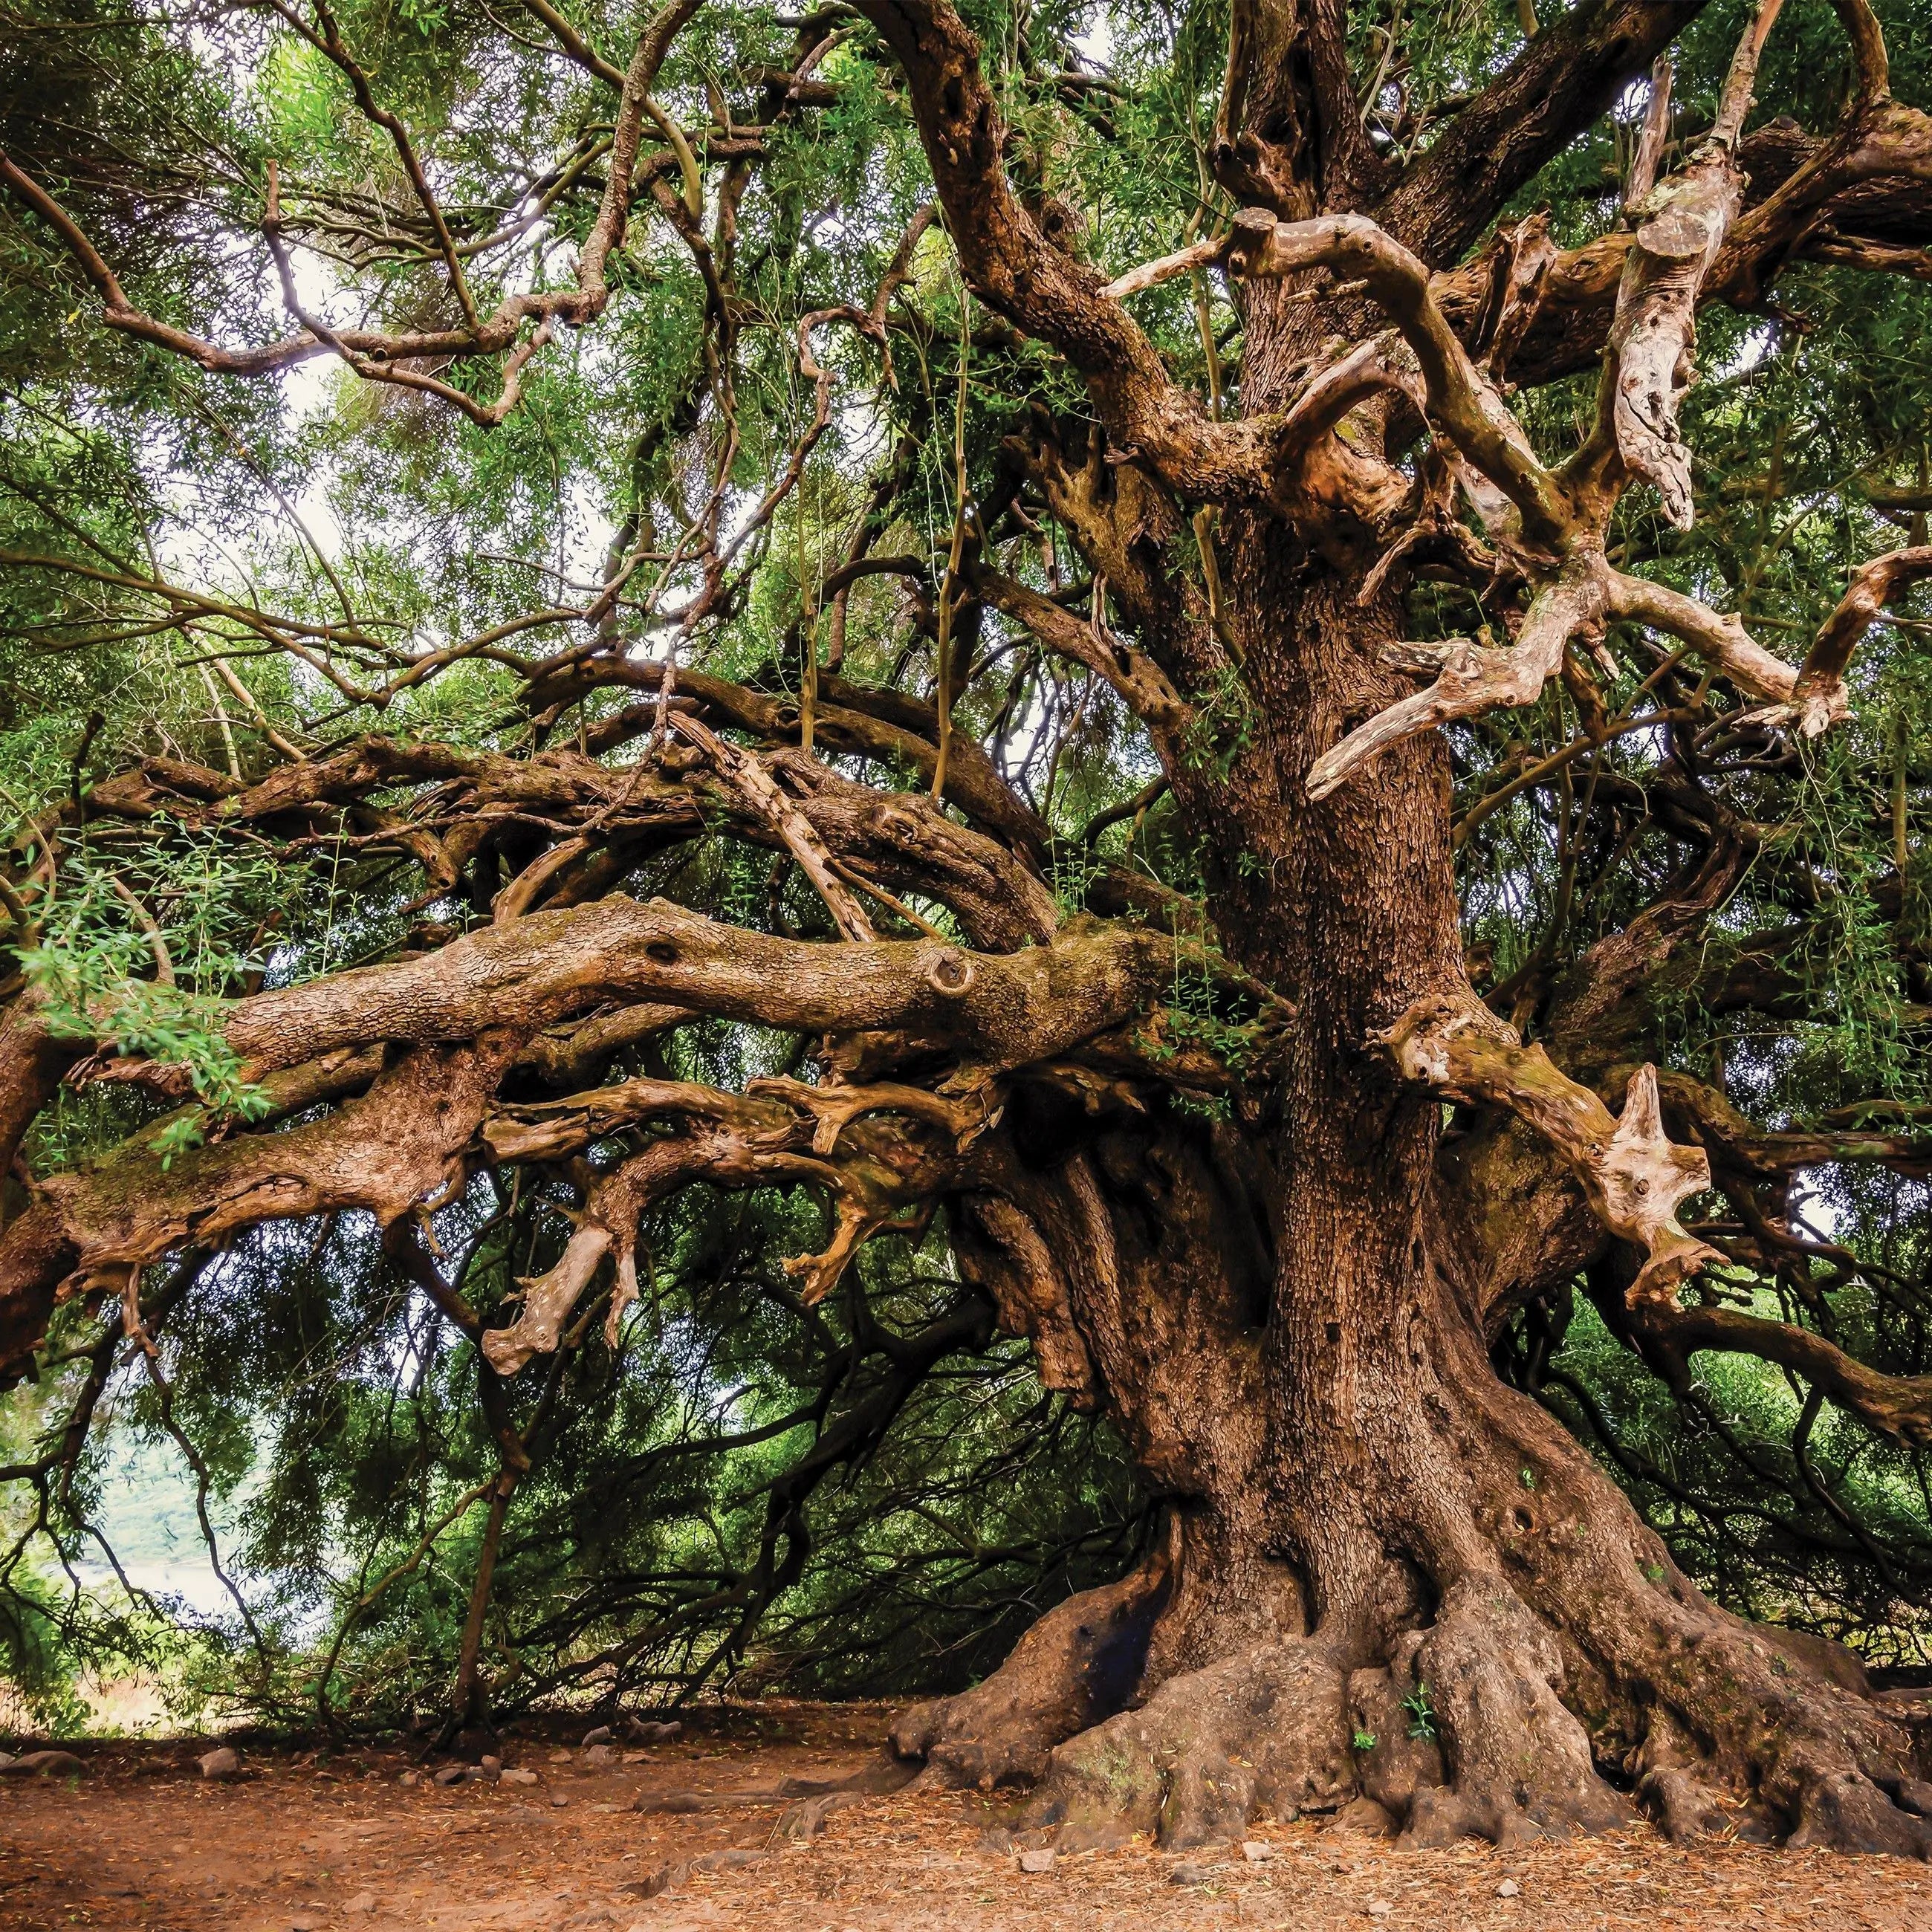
950 972
1420 1043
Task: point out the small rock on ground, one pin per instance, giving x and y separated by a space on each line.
1189 1874
1379 1908
363 1901
601 1735
1508 1888
1256 1851
224 1762
452 1773
1042 1860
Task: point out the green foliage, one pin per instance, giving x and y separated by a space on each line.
86 969
1222 724
1421 1713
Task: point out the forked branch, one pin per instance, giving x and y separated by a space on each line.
1472 678
1681 225
1634 1177
1460 398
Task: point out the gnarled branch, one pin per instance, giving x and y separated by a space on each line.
1634 1176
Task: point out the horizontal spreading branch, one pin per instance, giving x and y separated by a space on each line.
451 1024
899 839
1720 639
1739 1147
777 1133
397 1146
853 719
1899 1406
1812 697
1009 1008
1136 680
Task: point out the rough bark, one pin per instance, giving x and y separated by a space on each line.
1456 1578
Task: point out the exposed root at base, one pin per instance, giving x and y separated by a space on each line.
1842 1811
1770 1736
1264 1731
1726 1730
1521 1764
1078 1664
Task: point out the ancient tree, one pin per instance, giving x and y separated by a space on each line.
1108 628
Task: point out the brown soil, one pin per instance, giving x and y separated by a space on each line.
334 1839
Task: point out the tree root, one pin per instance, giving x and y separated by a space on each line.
1487 1677
1078 1664
1263 1731
1723 1728
1745 1731
1844 1811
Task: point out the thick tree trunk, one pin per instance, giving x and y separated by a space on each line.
1371 1536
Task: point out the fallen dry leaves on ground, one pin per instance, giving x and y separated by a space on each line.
309 1841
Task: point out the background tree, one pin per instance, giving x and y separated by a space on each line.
1129 593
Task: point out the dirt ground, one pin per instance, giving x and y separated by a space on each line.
308 1841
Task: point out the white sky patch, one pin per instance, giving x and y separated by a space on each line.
308 386
1758 343
1094 42
1814 1210
1633 104
586 536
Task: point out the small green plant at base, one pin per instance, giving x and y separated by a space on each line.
1363 1741
1421 1713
